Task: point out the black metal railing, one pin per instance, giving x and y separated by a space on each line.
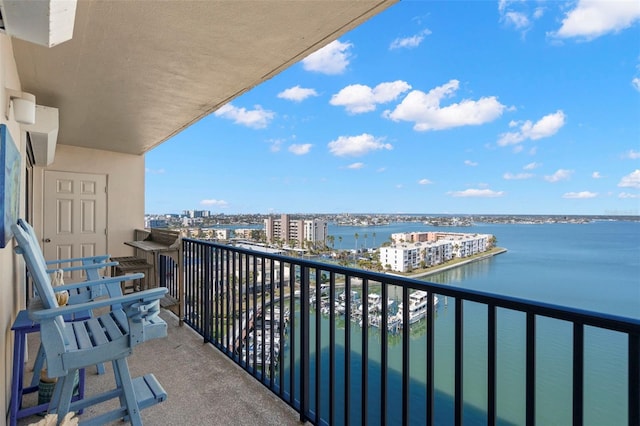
168 275
348 346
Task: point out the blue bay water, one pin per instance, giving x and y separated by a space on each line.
594 266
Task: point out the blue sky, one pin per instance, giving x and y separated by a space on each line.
459 107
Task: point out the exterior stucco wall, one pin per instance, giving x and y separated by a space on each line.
11 277
125 190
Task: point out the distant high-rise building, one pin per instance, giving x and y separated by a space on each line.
196 213
297 231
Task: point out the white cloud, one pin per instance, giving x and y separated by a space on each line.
275 145
297 94
561 174
593 18
300 149
480 193
358 98
628 195
596 175
257 118
580 195
635 82
516 14
631 154
425 111
517 19
216 203
355 166
409 42
517 176
543 128
332 59
425 182
632 180
532 166
470 163
357 145
154 171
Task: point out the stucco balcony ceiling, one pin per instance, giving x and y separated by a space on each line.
138 72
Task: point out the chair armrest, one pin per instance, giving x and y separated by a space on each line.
139 297
95 259
101 281
84 267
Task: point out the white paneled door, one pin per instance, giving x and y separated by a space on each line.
75 216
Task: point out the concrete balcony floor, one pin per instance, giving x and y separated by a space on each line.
203 386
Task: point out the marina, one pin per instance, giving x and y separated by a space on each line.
553 263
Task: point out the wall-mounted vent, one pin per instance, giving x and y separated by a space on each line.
43 135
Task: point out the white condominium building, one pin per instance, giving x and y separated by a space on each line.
424 249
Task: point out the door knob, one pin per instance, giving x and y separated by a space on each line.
47 240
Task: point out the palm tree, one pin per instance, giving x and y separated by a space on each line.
365 240
374 239
331 239
340 242
356 253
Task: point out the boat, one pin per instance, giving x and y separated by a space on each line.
418 303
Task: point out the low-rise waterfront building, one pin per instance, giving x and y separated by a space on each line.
413 250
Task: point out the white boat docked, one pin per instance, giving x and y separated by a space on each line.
418 303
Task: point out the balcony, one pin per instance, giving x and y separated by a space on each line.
204 386
256 322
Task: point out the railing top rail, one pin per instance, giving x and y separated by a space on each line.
575 315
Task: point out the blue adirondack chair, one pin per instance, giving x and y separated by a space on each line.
111 336
91 266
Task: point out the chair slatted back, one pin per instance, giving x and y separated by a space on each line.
37 268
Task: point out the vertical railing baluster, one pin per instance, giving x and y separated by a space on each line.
272 323
459 364
205 285
262 325
384 353
257 293
578 373
292 338
242 280
531 370
215 295
364 386
304 343
282 323
318 369
406 336
491 364
430 358
226 297
634 379
347 349
332 346
235 278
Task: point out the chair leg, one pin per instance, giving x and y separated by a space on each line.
65 393
122 372
38 366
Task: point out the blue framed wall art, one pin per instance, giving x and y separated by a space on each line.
9 185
